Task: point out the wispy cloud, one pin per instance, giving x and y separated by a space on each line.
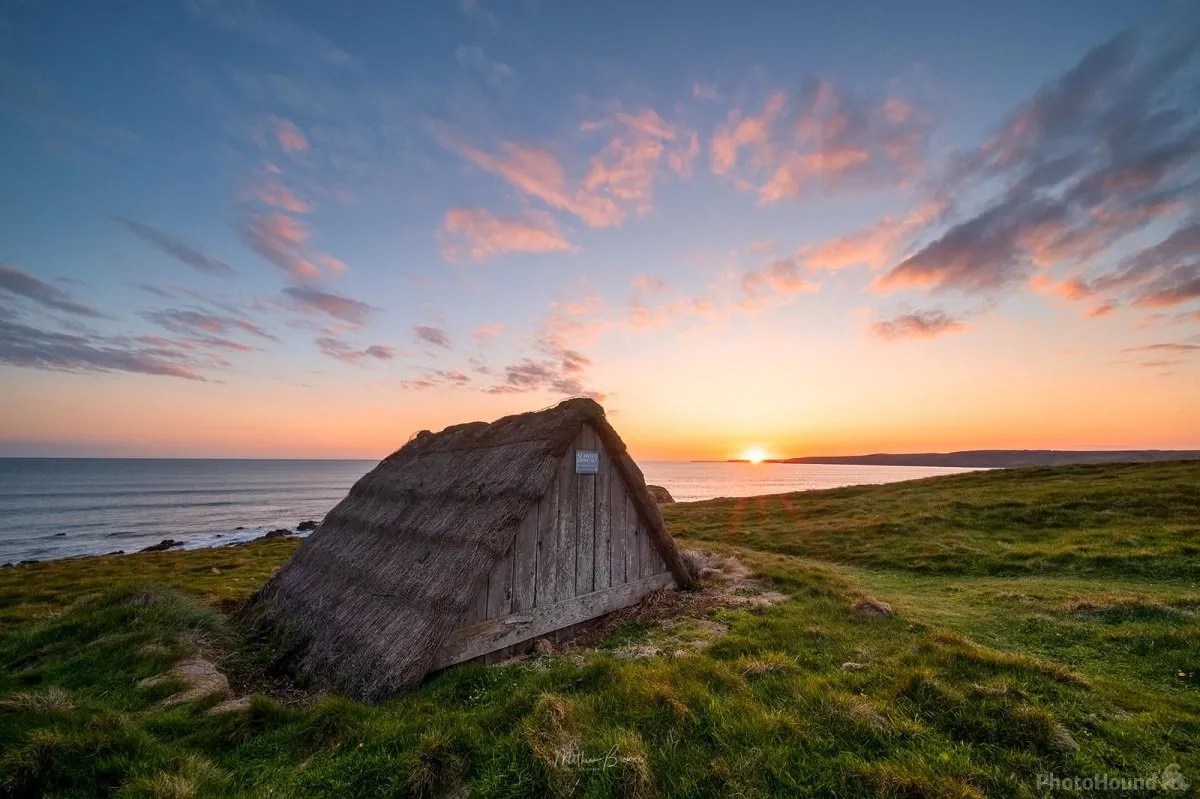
277 195
287 135
1094 163
336 348
1174 346
619 178
181 252
496 73
488 331
345 309
425 334
476 234
918 324
823 136
29 347
257 22
191 321
774 284
22 284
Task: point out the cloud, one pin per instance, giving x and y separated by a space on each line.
336 348
431 335
21 284
289 137
530 375
1093 165
345 309
704 91
185 254
918 324
619 178
489 331
560 366
740 131
283 240
476 234
188 322
538 173
875 245
493 72
276 195
1177 346
33 348
254 21
773 285
649 283
822 136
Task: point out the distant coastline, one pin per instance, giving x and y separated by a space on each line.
998 458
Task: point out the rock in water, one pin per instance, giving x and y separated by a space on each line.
661 495
280 533
166 543
305 526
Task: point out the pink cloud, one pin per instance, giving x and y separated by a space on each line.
918 324
874 246
739 132
476 234
538 173
649 283
619 177
336 348
773 285
822 136
276 195
487 332
345 309
283 240
288 135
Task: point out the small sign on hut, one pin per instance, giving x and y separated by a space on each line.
471 541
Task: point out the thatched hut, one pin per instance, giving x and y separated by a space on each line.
471 541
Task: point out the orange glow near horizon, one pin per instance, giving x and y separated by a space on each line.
755 455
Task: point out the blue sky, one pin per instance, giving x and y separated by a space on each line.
467 209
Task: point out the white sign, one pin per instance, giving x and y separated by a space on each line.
587 461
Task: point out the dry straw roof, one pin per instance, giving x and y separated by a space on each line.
366 602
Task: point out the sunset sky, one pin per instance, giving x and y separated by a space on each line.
310 229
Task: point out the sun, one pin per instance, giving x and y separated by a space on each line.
755 455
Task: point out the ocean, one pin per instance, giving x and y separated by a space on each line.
62 507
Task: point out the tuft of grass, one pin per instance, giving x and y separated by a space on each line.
51 699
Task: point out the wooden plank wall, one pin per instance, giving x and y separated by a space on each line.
583 536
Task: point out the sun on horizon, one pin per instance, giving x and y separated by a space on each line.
755 455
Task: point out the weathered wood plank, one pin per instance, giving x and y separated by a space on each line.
525 562
633 548
494 634
647 551
477 611
547 546
568 542
500 582
585 559
620 535
603 567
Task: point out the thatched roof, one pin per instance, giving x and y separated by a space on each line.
366 601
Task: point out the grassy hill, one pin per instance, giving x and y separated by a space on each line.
1047 622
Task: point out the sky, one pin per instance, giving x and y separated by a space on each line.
308 229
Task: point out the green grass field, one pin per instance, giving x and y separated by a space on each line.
1047 621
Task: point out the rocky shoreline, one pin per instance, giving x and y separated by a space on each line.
303 528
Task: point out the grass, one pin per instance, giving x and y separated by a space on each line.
1046 621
